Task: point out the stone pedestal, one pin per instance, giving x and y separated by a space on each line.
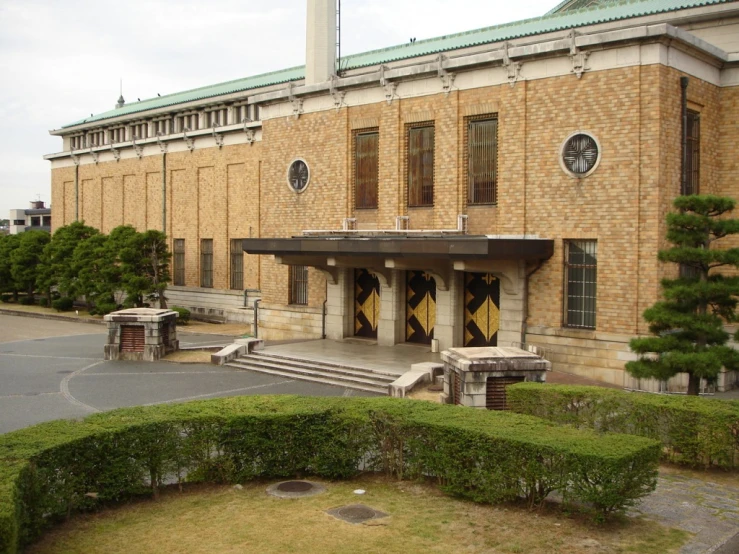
144 334
477 377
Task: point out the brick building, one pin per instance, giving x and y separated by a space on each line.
505 185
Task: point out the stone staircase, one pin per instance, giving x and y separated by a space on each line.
328 373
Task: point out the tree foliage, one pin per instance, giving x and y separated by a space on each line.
24 260
688 324
56 269
107 271
8 243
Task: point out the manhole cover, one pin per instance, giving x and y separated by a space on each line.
356 513
295 489
295 486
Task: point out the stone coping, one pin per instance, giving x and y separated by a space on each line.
143 315
492 358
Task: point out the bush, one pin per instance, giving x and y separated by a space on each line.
693 431
47 471
43 302
6 298
183 315
27 300
63 304
104 308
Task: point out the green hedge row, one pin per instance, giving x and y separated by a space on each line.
51 470
693 431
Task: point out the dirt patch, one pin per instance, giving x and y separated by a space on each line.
423 393
189 357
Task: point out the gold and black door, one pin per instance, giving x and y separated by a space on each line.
366 304
420 312
481 309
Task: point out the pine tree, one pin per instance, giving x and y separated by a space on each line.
688 325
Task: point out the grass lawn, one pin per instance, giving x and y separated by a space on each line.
221 519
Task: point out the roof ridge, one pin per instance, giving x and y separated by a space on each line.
612 11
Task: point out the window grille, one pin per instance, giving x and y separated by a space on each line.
366 168
298 284
237 264
179 262
421 166
206 263
581 270
482 160
693 157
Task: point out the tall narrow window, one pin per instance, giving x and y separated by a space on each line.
693 158
366 168
206 263
179 262
482 161
298 284
421 166
237 264
581 271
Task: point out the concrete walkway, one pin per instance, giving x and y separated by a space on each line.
707 509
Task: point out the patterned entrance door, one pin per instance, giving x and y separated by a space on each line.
366 304
481 309
420 312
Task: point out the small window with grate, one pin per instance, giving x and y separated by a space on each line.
179 262
366 168
298 284
482 160
237 264
581 272
421 165
206 263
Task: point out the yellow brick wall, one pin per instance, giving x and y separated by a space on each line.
242 191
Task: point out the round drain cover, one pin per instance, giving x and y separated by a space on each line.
357 512
295 486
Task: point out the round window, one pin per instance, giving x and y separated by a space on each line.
580 154
298 175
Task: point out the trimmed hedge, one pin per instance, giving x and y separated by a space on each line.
50 470
183 315
693 431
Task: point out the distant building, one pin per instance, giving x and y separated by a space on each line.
36 218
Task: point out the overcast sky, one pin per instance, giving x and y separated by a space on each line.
61 60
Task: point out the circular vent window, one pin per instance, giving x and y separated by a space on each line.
298 175
580 154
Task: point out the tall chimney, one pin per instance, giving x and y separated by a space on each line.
320 43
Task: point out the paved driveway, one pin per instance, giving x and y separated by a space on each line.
55 369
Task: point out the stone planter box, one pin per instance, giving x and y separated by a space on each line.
143 334
477 377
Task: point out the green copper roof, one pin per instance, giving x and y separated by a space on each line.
609 10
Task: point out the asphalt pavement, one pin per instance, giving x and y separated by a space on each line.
55 369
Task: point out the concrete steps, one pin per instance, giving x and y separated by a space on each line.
317 371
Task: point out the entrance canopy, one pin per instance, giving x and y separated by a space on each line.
440 248
436 254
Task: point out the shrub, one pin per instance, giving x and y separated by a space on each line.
63 304
47 470
27 300
183 315
6 298
104 308
43 302
693 431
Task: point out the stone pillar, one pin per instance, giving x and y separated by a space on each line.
339 306
392 311
448 313
511 304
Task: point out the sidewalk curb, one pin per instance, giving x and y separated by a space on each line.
58 317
